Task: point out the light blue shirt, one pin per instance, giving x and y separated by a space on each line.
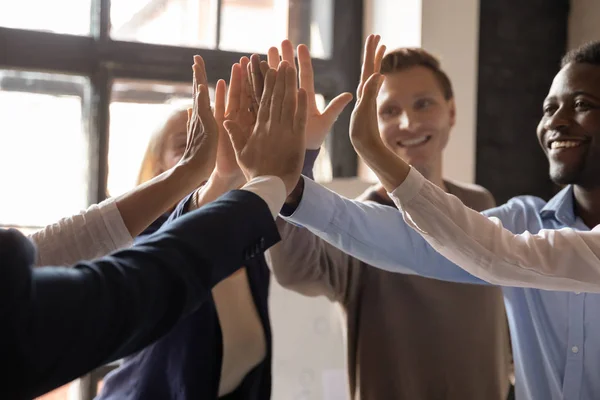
555 335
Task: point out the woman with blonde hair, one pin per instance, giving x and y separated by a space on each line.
222 350
165 147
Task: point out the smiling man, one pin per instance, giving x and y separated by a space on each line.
408 337
556 335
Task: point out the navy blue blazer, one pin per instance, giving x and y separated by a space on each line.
60 323
186 363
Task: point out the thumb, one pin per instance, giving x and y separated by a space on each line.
237 137
336 106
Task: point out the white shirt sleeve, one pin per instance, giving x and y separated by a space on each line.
565 259
93 233
271 189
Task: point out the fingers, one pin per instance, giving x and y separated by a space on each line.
368 65
278 92
288 109
264 109
287 53
220 90
188 124
307 77
258 80
200 71
370 91
301 113
236 135
204 111
273 57
379 58
264 68
335 107
235 89
246 93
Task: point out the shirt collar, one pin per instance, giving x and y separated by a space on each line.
561 207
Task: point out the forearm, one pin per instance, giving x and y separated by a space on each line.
119 304
95 232
565 259
390 169
142 205
372 233
214 188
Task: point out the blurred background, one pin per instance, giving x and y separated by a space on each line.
84 83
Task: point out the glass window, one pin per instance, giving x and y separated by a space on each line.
138 109
244 25
170 22
58 16
256 25
43 148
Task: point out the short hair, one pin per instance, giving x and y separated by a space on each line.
408 57
588 53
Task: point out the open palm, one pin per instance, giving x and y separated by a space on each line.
319 123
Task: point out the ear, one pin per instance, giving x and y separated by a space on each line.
452 106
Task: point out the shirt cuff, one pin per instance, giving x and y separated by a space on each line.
408 189
113 220
271 189
316 208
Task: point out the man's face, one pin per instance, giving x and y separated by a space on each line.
414 117
569 131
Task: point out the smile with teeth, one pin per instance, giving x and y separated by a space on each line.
414 142
565 144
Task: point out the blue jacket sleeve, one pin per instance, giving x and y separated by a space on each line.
59 323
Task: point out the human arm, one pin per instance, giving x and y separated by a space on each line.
111 225
59 323
565 259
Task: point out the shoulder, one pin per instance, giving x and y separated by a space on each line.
474 196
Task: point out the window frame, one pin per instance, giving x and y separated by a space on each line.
101 59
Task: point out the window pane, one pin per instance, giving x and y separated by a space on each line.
138 110
43 148
171 22
59 16
256 25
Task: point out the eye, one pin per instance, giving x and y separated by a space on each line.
389 111
422 104
549 109
582 105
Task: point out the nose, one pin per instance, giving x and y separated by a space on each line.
405 121
559 120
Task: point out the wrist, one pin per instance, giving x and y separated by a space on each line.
389 168
227 182
186 180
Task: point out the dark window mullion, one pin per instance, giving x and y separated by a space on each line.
100 20
96 105
346 58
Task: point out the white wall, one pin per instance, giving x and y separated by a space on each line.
584 23
451 31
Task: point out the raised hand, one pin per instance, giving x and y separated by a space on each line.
277 143
318 123
364 131
200 154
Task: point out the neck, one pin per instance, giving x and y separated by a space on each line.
587 205
431 172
